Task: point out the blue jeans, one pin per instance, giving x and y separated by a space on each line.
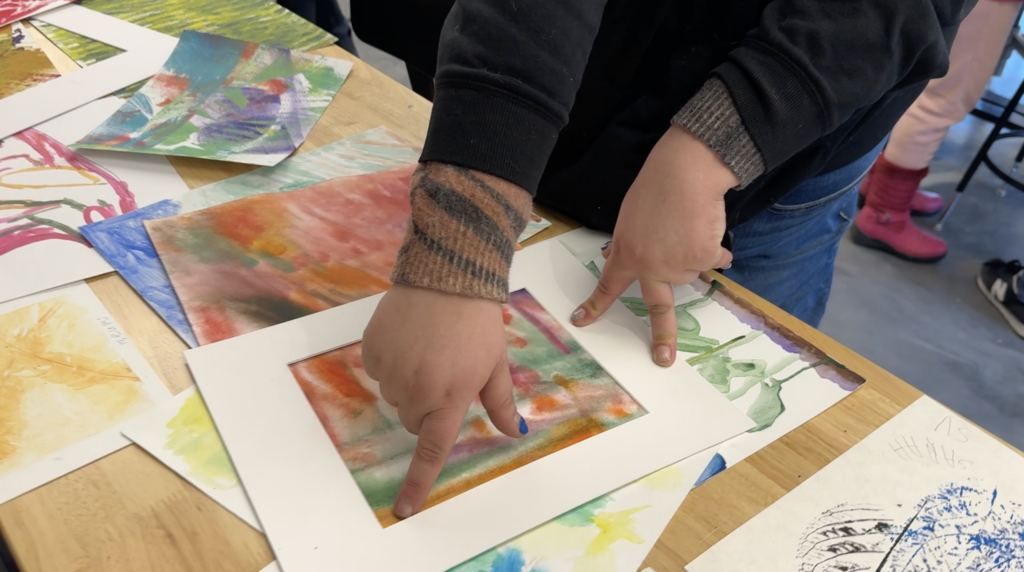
787 254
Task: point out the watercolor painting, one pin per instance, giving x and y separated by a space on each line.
180 434
61 382
69 376
256 21
263 260
368 152
612 533
125 244
926 491
23 64
773 385
13 10
778 382
194 439
223 99
562 392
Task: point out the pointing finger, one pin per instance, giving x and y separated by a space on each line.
437 436
497 399
661 307
610 286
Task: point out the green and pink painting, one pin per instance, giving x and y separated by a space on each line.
224 99
562 392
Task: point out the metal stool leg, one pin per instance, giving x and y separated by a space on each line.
1001 191
997 128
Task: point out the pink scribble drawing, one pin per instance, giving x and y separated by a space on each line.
47 164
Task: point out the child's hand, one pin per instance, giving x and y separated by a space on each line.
432 354
669 229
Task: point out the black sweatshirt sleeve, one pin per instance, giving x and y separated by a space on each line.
810 64
507 75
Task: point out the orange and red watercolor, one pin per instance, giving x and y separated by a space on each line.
562 392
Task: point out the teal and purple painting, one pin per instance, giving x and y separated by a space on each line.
224 99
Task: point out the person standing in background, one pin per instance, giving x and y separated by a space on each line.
891 189
327 15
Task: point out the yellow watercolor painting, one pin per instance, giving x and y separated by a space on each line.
194 439
61 382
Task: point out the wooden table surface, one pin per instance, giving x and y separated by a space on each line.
129 513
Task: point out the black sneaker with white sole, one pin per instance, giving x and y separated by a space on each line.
1003 284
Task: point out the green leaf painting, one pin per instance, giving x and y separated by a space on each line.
713 360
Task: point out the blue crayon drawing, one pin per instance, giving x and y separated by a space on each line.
125 244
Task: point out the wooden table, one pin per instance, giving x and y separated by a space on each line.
127 512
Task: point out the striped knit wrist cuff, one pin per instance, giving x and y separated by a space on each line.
712 117
463 232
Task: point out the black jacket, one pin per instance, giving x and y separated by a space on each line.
566 98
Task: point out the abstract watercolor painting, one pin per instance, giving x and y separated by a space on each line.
256 21
223 99
612 533
180 434
22 64
13 10
47 191
777 382
70 376
255 262
371 151
926 491
562 392
125 244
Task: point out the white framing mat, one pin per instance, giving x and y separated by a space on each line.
145 53
315 515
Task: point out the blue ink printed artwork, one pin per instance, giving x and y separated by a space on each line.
961 528
125 244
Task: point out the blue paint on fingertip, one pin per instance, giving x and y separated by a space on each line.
523 429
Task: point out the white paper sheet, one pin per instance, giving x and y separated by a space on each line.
181 435
926 491
145 52
33 346
37 266
306 498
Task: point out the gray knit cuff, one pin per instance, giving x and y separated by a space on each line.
712 117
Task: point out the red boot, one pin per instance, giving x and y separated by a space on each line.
884 222
925 203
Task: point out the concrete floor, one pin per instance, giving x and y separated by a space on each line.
928 324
